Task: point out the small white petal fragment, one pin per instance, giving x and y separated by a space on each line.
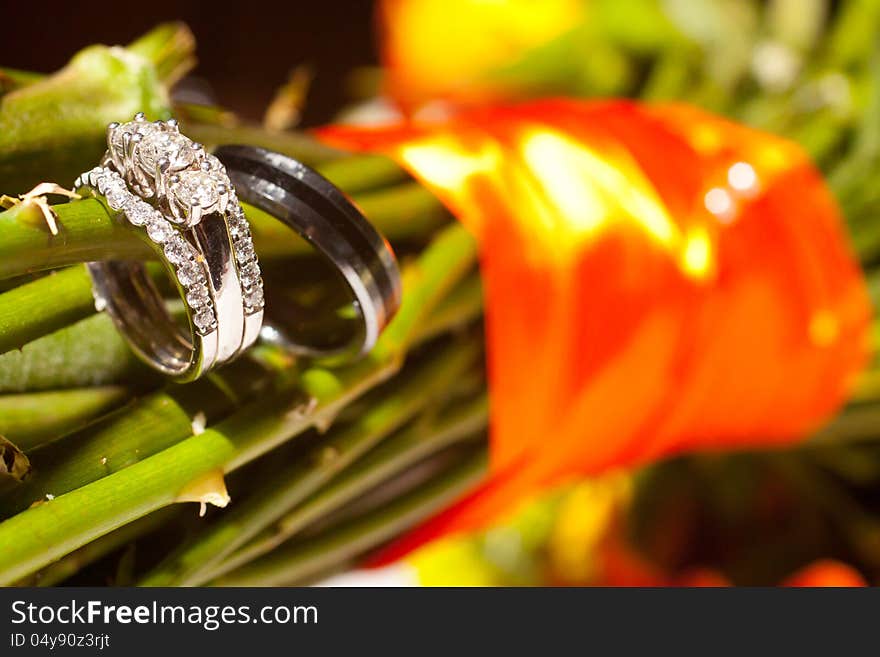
210 488
198 423
397 574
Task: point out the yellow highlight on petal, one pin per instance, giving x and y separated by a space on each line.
824 328
445 164
566 192
589 190
697 255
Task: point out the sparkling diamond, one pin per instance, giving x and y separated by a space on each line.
160 144
204 320
117 194
212 163
253 298
244 251
176 251
190 273
196 188
237 230
249 274
138 213
142 128
159 230
95 176
197 296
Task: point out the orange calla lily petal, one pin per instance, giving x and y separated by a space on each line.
657 280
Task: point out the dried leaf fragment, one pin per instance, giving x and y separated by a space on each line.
14 465
36 198
285 110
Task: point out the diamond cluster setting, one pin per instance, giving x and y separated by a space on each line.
160 163
188 264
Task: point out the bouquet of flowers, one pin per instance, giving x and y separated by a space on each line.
634 343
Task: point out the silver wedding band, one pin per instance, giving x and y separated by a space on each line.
318 211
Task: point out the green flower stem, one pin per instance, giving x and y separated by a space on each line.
12 79
127 436
410 445
44 306
69 565
87 232
272 498
300 561
295 144
43 533
134 432
34 417
31 419
55 128
402 212
362 172
170 48
459 309
88 353
92 353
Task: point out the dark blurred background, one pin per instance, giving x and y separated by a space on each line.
246 49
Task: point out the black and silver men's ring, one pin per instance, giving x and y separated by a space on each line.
321 214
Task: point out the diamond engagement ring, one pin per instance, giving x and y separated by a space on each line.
182 204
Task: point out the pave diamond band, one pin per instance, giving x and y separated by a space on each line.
179 200
189 269
126 292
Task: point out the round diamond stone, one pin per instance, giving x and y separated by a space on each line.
196 188
138 213
96 176
117 194
212 163
160 144
189 273
254 298
204 320
249 274
197 296
176 251
244 250
159 230
237 229
142 128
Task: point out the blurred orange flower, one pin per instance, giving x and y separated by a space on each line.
826 572
448 49
657 280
